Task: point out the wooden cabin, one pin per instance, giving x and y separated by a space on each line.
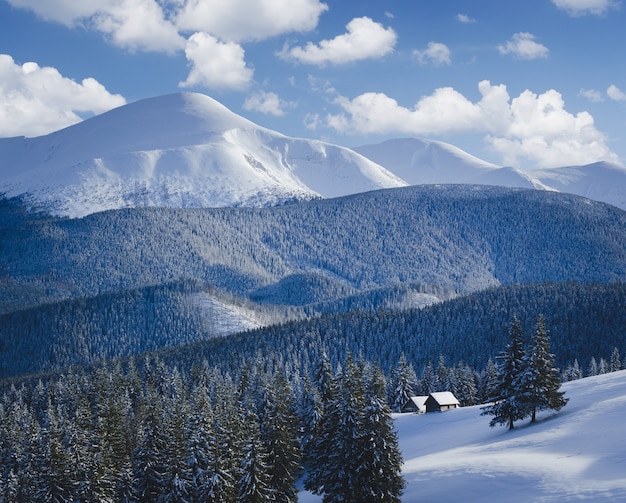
415 404
440 401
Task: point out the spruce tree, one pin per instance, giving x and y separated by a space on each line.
402 384
506 407
379 477
540 382
279 435
616 362
254 477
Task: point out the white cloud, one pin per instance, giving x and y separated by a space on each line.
216 64
364 39
131 24
239 20
523 46
615 93
464 18
38 100
582 7
532 128
267 103
435 53
162 25
592 95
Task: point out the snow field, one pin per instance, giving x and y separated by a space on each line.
576 454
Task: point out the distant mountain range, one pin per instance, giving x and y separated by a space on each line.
188 150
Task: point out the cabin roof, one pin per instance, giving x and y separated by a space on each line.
445 398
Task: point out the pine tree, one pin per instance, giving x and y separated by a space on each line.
572 372
279 435
616 362
379 477
402 384
149 462
506 407
593 367
539 383
254 478
343 456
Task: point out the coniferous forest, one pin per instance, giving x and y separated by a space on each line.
118 382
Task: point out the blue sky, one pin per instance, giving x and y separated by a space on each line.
533 83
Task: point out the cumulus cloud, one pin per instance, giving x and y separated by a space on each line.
162 25
534 128
267 103
216 64
364 39
615 93
582 7
215 28
37 100
132 24
524 46
435 53
240 20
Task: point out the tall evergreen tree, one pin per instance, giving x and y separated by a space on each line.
403 384
539 383
379 476
506 407
254 477
616 362
279 435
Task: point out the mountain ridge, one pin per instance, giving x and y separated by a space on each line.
188 150
459 238
178 150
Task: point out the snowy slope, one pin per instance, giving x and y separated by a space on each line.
434 162
180 150
427 161
577 454
601 181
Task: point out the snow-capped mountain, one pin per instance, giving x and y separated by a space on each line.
180 150
433 162
601 181
188 150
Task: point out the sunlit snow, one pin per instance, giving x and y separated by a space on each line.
576 454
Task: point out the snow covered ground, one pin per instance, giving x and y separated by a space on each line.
577 454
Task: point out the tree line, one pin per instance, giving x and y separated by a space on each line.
147 432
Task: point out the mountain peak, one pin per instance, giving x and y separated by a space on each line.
178 150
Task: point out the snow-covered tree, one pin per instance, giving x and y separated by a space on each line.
380 476
506 407
616 362
539 383
402 384
279 435
254 477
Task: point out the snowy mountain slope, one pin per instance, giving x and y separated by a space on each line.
577 454
433 162
601 181
179 150
427 162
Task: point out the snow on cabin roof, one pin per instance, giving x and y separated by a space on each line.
419 401
445 398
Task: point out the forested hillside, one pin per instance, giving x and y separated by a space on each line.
445 238
584 320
